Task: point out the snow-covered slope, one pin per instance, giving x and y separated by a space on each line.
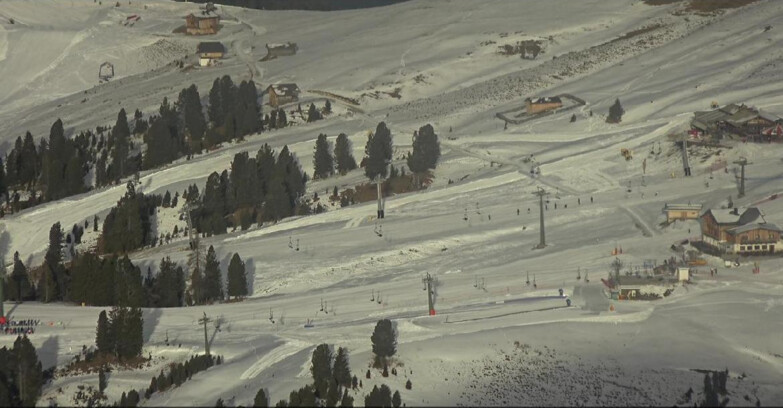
642 351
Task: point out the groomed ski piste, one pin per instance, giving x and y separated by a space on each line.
507 344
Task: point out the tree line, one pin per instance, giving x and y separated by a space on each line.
58 166
21 374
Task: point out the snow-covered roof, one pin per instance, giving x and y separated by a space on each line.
676 207
754 226
544 99
281 45
285 89
746 216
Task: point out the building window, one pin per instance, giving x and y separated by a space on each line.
763 247
756 247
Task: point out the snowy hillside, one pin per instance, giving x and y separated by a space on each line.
509 343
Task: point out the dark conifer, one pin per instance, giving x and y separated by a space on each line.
378 151
237 280
322 158
384 340
261 400
616 112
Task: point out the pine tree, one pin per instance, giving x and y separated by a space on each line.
228 96
196 265
20 278
103 340
133 398
328 107
573 118
426 150
384 340
378 152
396 400
102 380
121 134
213 284
261 400
237 280
342 371
322 158
215 108
343 154
282 120
321 368
313 114
347 401
189 106
333 393
166 203
616 112
30 374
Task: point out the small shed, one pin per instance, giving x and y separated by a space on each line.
542 104
279 50
209 51
280 94
682 211
195 25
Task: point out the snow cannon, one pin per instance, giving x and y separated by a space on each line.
568 302
432 312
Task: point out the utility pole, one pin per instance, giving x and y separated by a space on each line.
378 183
204 320
685 164
427 280
742 163
541 193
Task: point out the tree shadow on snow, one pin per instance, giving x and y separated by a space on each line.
250 274
47 353
151 320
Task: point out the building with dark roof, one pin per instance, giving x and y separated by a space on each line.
280 94
209 51
730 231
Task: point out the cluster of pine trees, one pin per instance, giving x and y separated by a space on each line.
21 375
58 166
206 282
120 333
277 119
233 111
263 188
178 374
426 150
128 226
326 162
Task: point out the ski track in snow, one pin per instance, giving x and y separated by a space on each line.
280 353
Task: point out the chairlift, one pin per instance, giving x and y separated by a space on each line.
372 299
465 217
326 307
578 273
475 282
322 304
379 297
527 282
297 244
534 281
290 242
586 279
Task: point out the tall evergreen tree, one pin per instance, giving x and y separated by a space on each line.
121 134
616 112
426 150
53 261
213 282
322 158
29 160
384 340
282 120
342 371
228 96
261 400
190 109
321 368
102 380
168 287
237 280
103 339
378 152
215 108
343 154
22 289
29 372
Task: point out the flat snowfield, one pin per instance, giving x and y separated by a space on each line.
495 340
